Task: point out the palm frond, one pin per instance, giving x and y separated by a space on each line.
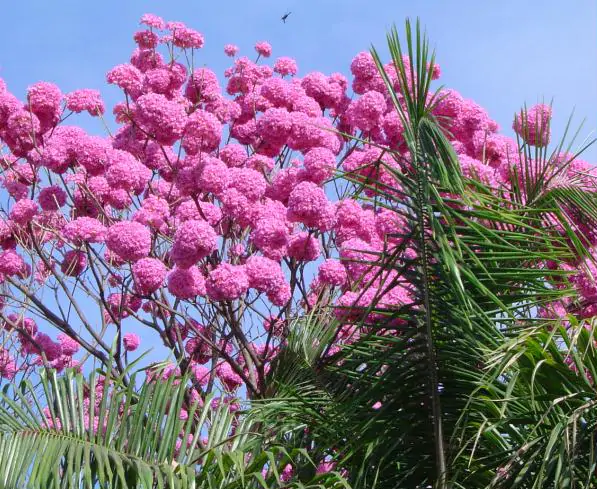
76 435
547 416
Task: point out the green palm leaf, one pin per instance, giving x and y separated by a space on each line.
66 437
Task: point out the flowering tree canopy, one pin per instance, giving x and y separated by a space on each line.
214 215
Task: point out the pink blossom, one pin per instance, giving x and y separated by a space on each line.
393 129
126 173
178 76
86 229
264 274
228 377
163 119
8 369
325 467
322 89
11 264
43 272
27 325
190 210
245 133
366 76
9 104
6 234
154 212
91 152
275 326
306 105
50 349
281 295
149 275
239 207
184 37
320 165
23 211
74 263
354 222
275 125
131 341
154 21
227 282
283 183
214 177
261 163
193 241
146 39
68 344
45 101
367 111
186 283
310 132
199 349
287 473
203 86
122 305
358 256
236 250
285 66
51 198
146 59
249 183
225 110
234 155
473 168
158 81
230 50
306 204
303 247
85 100
202 132
263 49
127 77
274 91
201 374
532 125
389 222
22 131
270 235
129 239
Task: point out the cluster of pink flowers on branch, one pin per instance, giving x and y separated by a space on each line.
211 217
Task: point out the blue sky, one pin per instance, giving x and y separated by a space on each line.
501 54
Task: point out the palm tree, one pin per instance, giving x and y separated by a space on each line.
458 370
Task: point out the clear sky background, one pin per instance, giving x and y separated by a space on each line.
499 53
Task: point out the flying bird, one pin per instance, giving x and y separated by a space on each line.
285 16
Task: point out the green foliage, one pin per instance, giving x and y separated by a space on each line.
135 440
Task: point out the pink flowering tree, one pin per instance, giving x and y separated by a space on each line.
207 222
214 220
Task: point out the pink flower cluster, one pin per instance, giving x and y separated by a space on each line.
533 125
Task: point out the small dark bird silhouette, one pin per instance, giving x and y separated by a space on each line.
285 16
